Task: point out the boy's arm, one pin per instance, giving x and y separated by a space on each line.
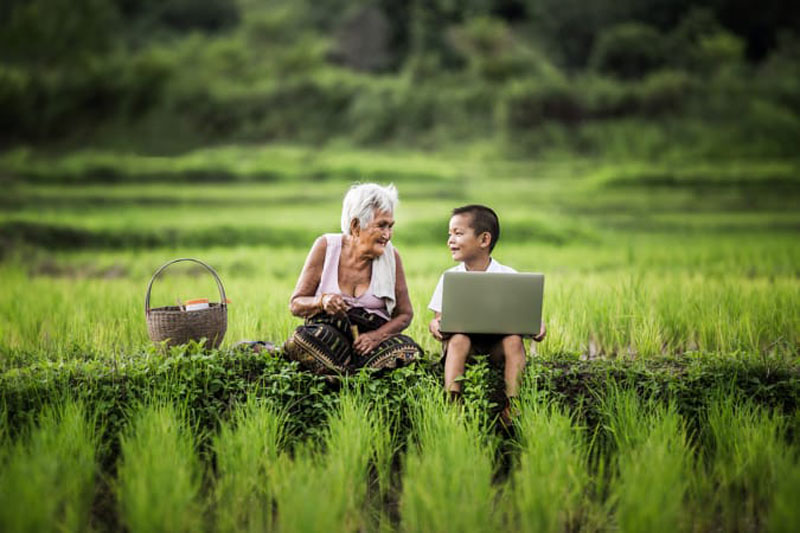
434 326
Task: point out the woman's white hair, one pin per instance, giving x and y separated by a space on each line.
363 199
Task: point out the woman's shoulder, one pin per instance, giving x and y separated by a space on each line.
327 239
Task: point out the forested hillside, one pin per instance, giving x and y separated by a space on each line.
651 78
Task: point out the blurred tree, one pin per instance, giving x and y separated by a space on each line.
149 19
430 20
362 40
758 23
494 53
701 44
628 50
570 27
46 33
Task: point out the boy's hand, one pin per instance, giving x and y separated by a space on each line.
434 329
542 333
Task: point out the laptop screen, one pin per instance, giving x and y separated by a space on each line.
492 302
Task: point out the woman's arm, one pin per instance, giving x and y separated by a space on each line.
401 318
303 303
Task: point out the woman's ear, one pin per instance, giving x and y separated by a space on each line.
355 227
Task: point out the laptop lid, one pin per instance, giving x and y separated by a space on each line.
492 302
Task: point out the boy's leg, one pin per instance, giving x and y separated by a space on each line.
458 347
511 353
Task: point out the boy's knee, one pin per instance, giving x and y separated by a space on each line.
459 342
512 344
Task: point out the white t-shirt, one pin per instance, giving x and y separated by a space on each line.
436 299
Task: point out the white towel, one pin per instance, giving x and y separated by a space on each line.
384 277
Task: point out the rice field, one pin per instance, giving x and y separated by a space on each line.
101 432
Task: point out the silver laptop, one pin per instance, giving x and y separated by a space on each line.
492 302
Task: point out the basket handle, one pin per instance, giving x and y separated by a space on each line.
223 300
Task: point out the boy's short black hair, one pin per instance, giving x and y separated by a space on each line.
483 219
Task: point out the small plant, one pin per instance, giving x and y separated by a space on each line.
47 478
448 470
324 487
551 467
159 474
652 461
247 451
749 457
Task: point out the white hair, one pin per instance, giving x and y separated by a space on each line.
363 199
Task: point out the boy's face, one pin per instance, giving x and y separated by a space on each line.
463 243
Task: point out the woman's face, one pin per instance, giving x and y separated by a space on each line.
377 234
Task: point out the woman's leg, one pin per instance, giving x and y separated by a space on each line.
396 351
455 361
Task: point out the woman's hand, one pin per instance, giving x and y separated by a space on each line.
542 333
334 304
366 342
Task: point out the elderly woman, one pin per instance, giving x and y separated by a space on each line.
352 292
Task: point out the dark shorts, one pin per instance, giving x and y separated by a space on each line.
480 344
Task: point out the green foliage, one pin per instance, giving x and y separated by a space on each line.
47 480
447 472
175 74
628 50
311 448
701 44
48 33
653 461
159 473
551 466
494 53
749 456
247 449
327 491
782 516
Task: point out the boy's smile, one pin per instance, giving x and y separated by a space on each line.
464 245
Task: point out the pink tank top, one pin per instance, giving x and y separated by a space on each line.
329 281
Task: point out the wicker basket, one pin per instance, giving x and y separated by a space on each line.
176 326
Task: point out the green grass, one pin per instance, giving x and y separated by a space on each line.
653 461
324 488
47 480
552 467
750 456
159 475
447 471
247 450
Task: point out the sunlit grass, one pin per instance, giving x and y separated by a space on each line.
47 477
648 445
324 487
447 471
247 451
549 481
748 457
159 475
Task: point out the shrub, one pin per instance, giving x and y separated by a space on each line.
628 50
664 92
494 53
527 104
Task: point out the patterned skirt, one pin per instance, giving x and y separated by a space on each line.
324 344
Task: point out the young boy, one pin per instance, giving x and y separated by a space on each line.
473 234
